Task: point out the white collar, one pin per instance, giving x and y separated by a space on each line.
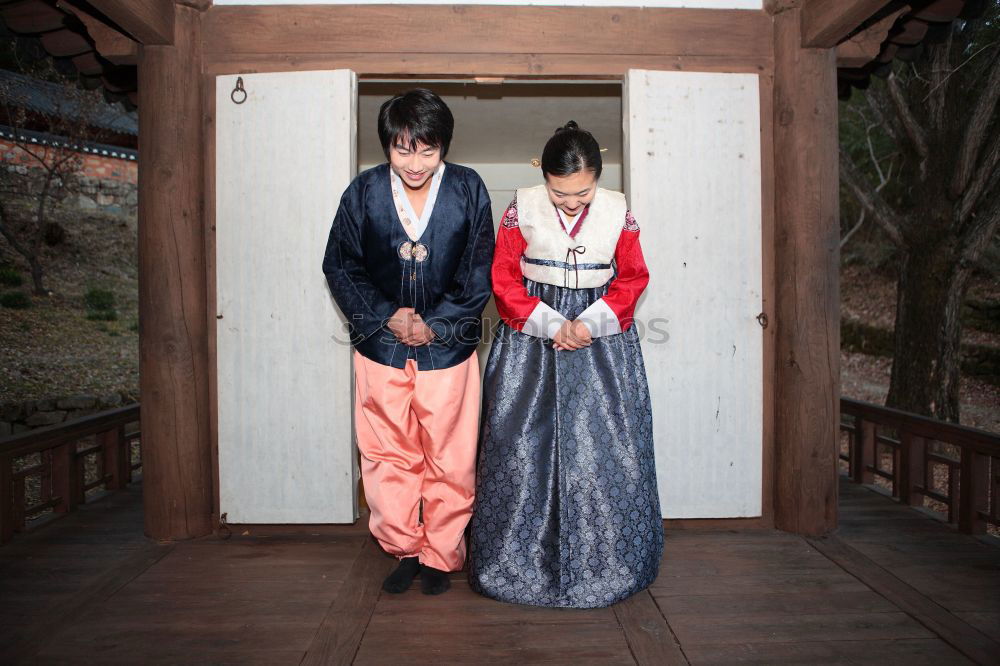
399 194
568 223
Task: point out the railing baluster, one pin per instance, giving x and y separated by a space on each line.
6 495
974 480
867 449
897 457
912 469
953 491
45 482
66 476
61 468
113 457
994 473
17 514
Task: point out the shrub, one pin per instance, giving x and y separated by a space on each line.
16 300
10 277
99 299
102 315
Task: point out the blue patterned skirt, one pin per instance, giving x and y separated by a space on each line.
567 512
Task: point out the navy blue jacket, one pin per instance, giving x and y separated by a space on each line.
370 280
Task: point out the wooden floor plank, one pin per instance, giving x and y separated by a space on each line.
649 636
476 642
966 639
833 581
202 638
464 627
27 642
461 603
908 652
772 601
287 594
988 623
794 628
339 634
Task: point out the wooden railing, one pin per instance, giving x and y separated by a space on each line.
61 463
952 469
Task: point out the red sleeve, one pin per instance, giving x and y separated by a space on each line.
512 299
633 276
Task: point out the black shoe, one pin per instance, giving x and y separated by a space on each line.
400 580
433 581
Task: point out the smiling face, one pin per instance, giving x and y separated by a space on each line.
415 165
571 193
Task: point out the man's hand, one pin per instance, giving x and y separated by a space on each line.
422 333
409 328
571 336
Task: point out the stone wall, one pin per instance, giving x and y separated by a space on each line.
107 182
18 417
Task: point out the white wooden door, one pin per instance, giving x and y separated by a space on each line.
283 159
693 179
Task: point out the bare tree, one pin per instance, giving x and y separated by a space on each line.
938 118
49 170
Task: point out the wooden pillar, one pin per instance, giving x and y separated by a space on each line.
807 286
173 337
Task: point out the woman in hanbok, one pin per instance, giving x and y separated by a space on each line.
567 512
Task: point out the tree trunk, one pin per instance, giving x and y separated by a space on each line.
36 275
36 247
926 360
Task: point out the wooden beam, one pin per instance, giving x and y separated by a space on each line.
147 21
865 46
826 23
807 263
327 29
505 65
114 46
173 315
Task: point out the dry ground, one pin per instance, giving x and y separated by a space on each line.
53 350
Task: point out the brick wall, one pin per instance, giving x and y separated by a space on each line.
99 166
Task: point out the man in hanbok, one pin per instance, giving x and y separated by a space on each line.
408 263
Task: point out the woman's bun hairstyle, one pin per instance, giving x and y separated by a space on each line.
571 150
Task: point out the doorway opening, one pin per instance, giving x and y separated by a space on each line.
500 128
500 131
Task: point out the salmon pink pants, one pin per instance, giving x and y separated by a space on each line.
417 434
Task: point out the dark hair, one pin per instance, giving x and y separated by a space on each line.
571 149
419 115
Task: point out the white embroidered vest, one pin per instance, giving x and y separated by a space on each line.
550 252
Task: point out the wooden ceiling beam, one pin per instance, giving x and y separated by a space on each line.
147 21
865 46
826 23
110 44
268 30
